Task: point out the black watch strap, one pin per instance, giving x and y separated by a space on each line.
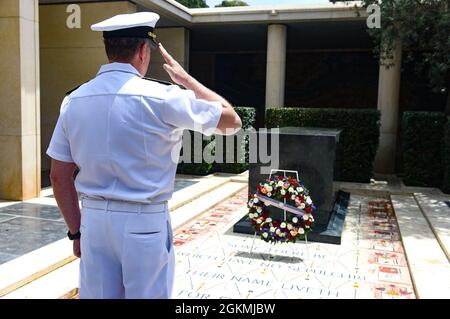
73 236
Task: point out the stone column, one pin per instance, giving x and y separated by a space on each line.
276 65
19 102
388 97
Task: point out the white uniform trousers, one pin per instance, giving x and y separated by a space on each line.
126 250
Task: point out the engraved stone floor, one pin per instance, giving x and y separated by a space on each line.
213 262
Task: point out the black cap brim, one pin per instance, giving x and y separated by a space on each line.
135 32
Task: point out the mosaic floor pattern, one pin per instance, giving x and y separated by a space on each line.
214 262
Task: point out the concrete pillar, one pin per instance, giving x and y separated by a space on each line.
19 102
388 97
276 65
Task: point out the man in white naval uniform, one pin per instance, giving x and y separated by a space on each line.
123 132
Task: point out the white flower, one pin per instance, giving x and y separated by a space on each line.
283 192
269 188
265 235
259 220
293 233
302 206
291 190
283 225
306 216
308 200
278 231
293 197
306 226
250 203
267 203
280 184
301 230
259 209
250 215
295 220
272 229
255 200
282 234
290 227
269 194
268 220
299 189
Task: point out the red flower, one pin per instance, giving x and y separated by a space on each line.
280 177
308 210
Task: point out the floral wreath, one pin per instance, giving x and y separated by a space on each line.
284 192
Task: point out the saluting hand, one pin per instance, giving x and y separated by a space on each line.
173 68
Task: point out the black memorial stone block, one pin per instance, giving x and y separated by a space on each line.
311 152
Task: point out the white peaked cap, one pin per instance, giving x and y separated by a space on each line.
126 21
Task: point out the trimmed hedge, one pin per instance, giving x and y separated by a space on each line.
247 115
423 137
446 159
358 141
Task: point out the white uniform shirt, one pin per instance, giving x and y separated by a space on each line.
121 131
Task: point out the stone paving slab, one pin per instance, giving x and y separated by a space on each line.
22 235
26 268
53 286
38 211
427 261
437 213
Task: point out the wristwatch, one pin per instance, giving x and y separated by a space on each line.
73 236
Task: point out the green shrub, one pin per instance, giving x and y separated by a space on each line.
358 141
446 158
423 135
247 115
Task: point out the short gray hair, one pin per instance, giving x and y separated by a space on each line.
123 49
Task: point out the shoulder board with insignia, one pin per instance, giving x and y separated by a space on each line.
159 81
68 92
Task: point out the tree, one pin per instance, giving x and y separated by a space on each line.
232 3
193 3
423 28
